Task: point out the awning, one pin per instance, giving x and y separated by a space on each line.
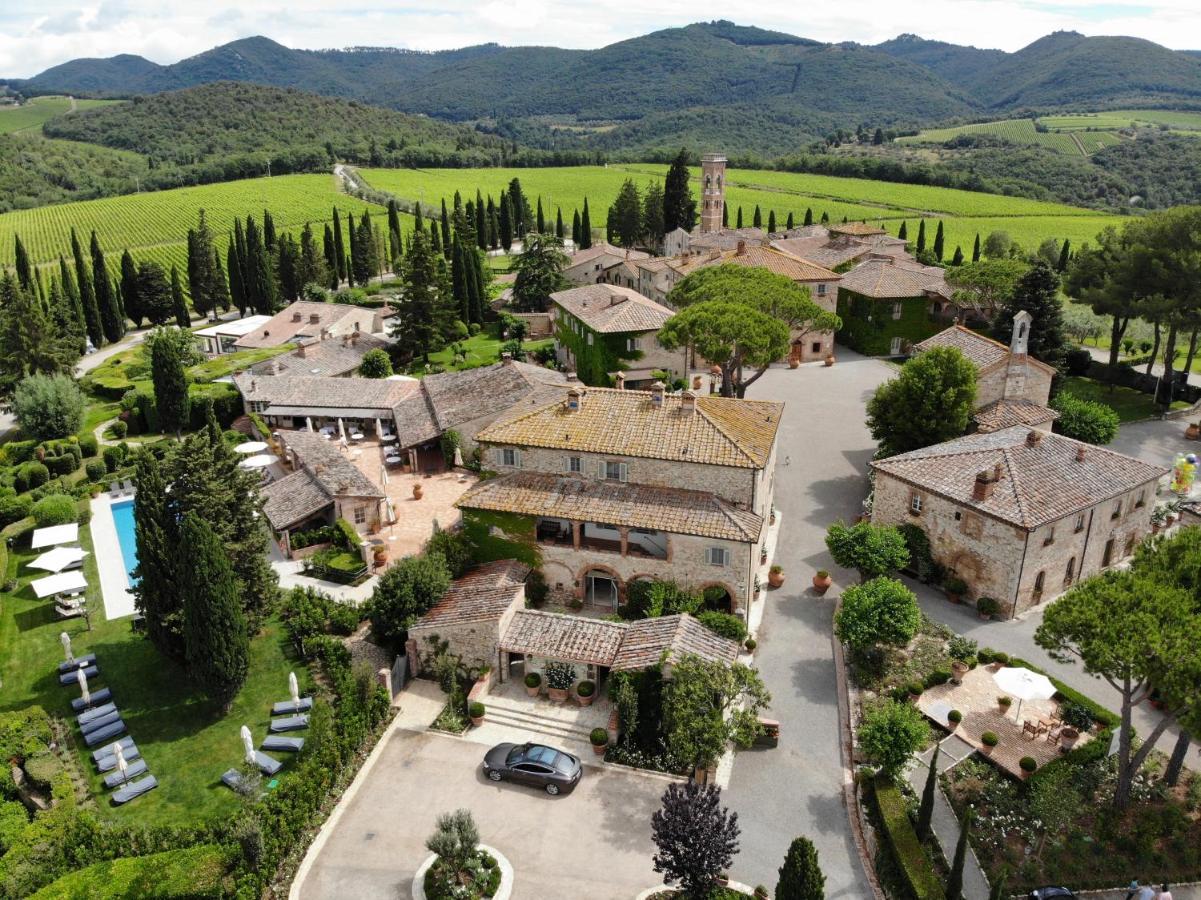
55 534
59 584
58 559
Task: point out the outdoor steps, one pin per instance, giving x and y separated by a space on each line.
502 712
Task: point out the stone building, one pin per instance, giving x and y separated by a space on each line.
1019 514
889 303
602 330
615 486
1012 388
307 320
328 356
589 266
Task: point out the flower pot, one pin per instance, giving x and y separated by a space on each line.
417 492
986 750
557 695
598 749
696 382
1003 708
954 598
829 360
794 363
476 721
1192 432
533 691
585 701
820 584
1067 738
958 670
775 579
380 556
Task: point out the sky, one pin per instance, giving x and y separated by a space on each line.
37 34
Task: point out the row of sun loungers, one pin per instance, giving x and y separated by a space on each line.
69 677
288 708
79 662
290 715
119 489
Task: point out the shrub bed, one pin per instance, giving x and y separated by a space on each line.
907 850
188 872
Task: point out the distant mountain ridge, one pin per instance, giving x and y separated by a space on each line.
655 90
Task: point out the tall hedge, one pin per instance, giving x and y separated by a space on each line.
902 840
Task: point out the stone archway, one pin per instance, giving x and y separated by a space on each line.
731 597
600 585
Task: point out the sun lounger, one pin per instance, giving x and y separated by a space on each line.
268 765
134 789
68 612
114 487
286 744
288 708
125 742
79 662
99 722
95 713
127 486
104 734
70 677
292 723
104 695
108 763
135 769
232 779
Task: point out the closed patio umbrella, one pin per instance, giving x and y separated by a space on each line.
119 753
65 640
1023 684
82 678
248 746
258 462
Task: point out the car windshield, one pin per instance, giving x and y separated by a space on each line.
564 763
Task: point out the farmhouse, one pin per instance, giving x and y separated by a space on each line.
335 357
309 320
221 337
601 330
1018 514
888 303
590 265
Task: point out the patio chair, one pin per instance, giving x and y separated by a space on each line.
100 722
128 486
291 723
125 742
98 712
1031 728
114 488
116 778
78 662
104 695
90 671
109 762
288 708
280 743
104 735
134 789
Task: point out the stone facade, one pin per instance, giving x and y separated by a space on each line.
1018 568
476 642
713 191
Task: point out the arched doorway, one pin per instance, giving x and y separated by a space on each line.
601 587
718 596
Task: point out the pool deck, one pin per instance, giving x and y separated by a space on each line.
110 562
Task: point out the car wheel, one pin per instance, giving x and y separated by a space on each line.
494 774
552 789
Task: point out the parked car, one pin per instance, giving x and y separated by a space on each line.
552 770
1051 892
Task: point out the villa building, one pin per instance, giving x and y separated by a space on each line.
308 320
889 303
838 247
590 265
1018 514
602 330
220 338
615 486
328 356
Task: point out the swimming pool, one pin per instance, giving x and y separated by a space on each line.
126 536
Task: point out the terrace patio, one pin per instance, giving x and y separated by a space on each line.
976 698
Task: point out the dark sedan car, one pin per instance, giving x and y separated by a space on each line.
552 770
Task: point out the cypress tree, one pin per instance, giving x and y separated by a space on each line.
338 263
394 216
481 222
938 242
976 249
287 267
585 228
352 237
197 264
71 297
575 228
1065 256
364 244
493 226
156 586
957 259
505 222
903 231
446 244
237 290
261 290
738 218
473 285
331 259
921 235
111 320
309 264
87 296
825 217
216 642
757 221
801 877
725 214
427 300
559 231
129 289
808 216
790 224
170 382
679 209
220 288
435 241
541 219
180 305
925 811
24 269
771 221
458 281
268 230
955 878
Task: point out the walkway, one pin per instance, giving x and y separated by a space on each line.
110 564
944 822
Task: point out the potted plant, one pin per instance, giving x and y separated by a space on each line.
1003 704
750 645
483 673
696 382
559 678
723 879
758 586
585 692
1067 738
475 712
954 717
599 739
1159 518
959 668
999 660
829 359
1027 764
760 892
763 555
1193 431
775 576
987 607
955 588
793 362
417 491
989 739
915 689
533 684
822 581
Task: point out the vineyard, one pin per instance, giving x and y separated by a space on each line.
38 110
1115 120
1016 131
154 225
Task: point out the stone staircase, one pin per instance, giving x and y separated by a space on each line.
543 720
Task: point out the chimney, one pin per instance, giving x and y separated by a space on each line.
620 380
575 399
300 351
1080 454
571 376
1021 333
506 358
657 390
296 316
314 318
1034 437
324 334
275 366
354 337
986 482
346 340
741 251
688 403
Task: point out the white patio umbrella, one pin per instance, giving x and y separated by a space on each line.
1023 684
248 746
258 462
294 689
458 458
59 584
65 640
122 765
82 678
58 559
250 447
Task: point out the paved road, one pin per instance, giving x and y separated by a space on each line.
796 788
1156 441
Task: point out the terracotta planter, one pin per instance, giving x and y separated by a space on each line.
476 721
585 701
794 363
598 749
1067 738
821 585
987 750
557 695
417 492
958 670
830 360
1192 432
775 579
380 556
533 691
954 598
696 382
1003 709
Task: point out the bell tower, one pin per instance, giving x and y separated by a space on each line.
713 191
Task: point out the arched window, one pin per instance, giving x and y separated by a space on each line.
1038 585
708 182
1022 330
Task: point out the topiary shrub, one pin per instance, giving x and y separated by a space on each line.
955 716
13 509
62 465
984 655
35 474
1028 764
750 644
119 428
476 710
533 680
1079 361
937 677
987 606
113 457
989 739
598 737
57 509
724 624
95 470
915 688
586 688
999 657
88 445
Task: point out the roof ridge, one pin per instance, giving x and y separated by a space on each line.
1019 491
727 436
728 511
983 337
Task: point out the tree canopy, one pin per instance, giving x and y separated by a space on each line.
931 401
879 611
48 406
539 272
695 837
872 550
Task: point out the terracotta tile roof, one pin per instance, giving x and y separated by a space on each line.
1039 483
611 309
819 250
482 594
765 257
722 432
332 357
860 229
1007 413
562 637
337 475
646 641
889 279
982 351
293 498
318 392
298 319
602 249
614 503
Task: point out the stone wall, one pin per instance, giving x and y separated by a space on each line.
475 643
538 323
1014 381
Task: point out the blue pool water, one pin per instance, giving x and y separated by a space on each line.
123 519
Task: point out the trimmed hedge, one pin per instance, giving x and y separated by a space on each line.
724 625
190 872
349 537
57 509
902 840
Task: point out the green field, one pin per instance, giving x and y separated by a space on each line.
964 213
1016 131
1116 119
40 109
154 225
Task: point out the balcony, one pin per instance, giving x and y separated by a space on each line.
600 544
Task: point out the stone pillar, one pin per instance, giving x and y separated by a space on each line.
308 422
384 678
625 539
575 535
414 662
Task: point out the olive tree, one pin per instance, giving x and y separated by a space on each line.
48 406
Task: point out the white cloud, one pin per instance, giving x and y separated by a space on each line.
36 35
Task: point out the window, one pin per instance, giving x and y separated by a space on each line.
616 471
1070 574
894 348
821 289
575 464
1141 500
1038 585
817 346
915 504
510 457
717 556
1117 511
360 515
1079 523
633 344
589 338
897 309
1050 538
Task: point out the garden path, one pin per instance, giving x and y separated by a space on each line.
944 822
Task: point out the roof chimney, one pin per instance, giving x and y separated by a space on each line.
620 380
688 403
741 251
986 483
506 357
657 390
1080 453
575 399
314 318
275 366
571 376
296 317
300 351
354 337
1034 437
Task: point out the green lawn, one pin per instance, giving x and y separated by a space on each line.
1129 404
228 363
481 350
184 738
